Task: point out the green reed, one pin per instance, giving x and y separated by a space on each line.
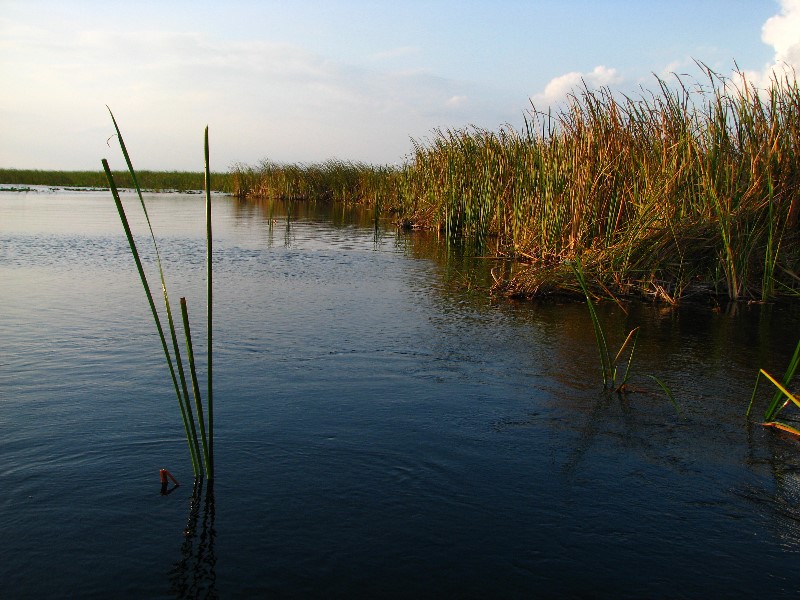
330 181
608 365
782 397
209 307
176 368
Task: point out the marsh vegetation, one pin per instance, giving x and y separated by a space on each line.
690 190
161 181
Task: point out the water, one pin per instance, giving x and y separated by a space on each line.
384 428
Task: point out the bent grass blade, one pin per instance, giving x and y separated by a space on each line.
775 405
772 412
634 335
610 367
782 426
667 391
605 360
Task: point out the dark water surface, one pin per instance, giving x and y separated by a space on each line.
383 427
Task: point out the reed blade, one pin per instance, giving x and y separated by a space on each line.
667 391
170 320
782 426
774 408
210 312
132 244
605 359
634 334
198 403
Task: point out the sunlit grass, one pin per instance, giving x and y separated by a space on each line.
688 190
782 398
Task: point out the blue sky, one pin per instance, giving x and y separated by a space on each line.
306 81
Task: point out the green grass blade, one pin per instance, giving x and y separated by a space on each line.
635 334
785 381
151 302
210 312
753 397
170 320
198 403
667 391
602 346
783 392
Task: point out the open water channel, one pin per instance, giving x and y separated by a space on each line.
384 428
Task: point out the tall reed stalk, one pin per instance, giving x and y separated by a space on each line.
200 461
209 308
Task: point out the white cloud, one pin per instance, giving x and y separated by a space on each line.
782 32
560 87
260 99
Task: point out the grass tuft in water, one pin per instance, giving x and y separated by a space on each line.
608 365
175 365
782 397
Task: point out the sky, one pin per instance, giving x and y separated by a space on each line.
307 81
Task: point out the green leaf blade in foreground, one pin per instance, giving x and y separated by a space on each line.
151 302
195 383
667 391
602 346
785 381
209 311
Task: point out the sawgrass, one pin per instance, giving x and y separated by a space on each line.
330 181
688 190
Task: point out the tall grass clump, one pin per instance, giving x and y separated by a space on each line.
688 189
683 190
329 181
201 460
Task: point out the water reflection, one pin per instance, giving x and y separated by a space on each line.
279 217
194 575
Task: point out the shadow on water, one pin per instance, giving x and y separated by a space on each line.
194 575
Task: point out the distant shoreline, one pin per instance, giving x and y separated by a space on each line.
164 181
